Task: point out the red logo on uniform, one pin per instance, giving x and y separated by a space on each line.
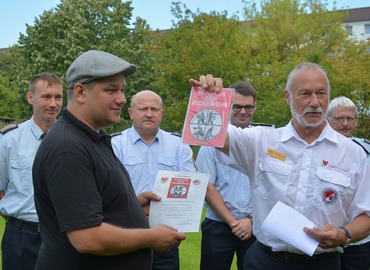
329 195
324 162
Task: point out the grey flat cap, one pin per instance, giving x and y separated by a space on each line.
96 64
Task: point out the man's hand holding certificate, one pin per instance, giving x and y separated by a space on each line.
182 200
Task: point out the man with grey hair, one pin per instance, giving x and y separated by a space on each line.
307 166
343 117
90 217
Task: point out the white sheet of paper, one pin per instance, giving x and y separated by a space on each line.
287 224
182 200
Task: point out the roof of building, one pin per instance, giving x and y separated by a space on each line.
358 14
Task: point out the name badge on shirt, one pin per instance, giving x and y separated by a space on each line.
276 154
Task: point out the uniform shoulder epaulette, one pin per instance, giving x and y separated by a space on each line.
261 125
178 134
8 128
364 143
116 134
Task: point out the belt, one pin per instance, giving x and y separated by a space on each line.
22 224
289 257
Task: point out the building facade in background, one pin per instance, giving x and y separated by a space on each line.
357 23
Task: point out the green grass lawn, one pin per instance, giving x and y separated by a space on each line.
189 250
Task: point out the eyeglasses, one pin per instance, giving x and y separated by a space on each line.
247 108
340 120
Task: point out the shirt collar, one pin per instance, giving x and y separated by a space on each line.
35 129
70 118
134 136
328 133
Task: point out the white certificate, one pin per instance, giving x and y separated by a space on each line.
182 200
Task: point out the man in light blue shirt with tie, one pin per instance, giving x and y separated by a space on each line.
227 228
18 146
145 148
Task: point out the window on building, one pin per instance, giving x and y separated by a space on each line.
367 29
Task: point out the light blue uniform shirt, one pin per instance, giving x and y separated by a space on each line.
364 144
232 185
143 161
17 151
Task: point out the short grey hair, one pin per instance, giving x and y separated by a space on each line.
303 66
342 102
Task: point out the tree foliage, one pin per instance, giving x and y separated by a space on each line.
200 43
348 70
60 34
13 103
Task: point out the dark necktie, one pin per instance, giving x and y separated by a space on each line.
42 135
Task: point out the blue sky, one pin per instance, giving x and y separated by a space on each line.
15 14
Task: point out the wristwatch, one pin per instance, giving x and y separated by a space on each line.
348 238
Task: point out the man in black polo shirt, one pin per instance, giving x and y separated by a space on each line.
90 217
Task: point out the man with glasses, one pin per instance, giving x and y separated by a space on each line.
343 117
144 149
227 228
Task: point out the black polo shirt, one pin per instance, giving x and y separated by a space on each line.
80 183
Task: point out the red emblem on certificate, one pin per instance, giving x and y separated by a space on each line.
179 188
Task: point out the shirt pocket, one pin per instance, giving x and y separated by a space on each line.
134 166
334 176
276 175
330 187
274 166
167 163
21 174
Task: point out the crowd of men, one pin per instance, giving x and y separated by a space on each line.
76 197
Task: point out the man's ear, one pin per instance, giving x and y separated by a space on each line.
286 94
79 92
130 112
29 96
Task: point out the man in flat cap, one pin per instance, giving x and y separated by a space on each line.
90 217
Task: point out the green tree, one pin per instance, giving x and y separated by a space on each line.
349 76
60 34
13 103
199 43
284 33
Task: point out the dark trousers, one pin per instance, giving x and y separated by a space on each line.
20 247
257 258
166 261
356 257
219 245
